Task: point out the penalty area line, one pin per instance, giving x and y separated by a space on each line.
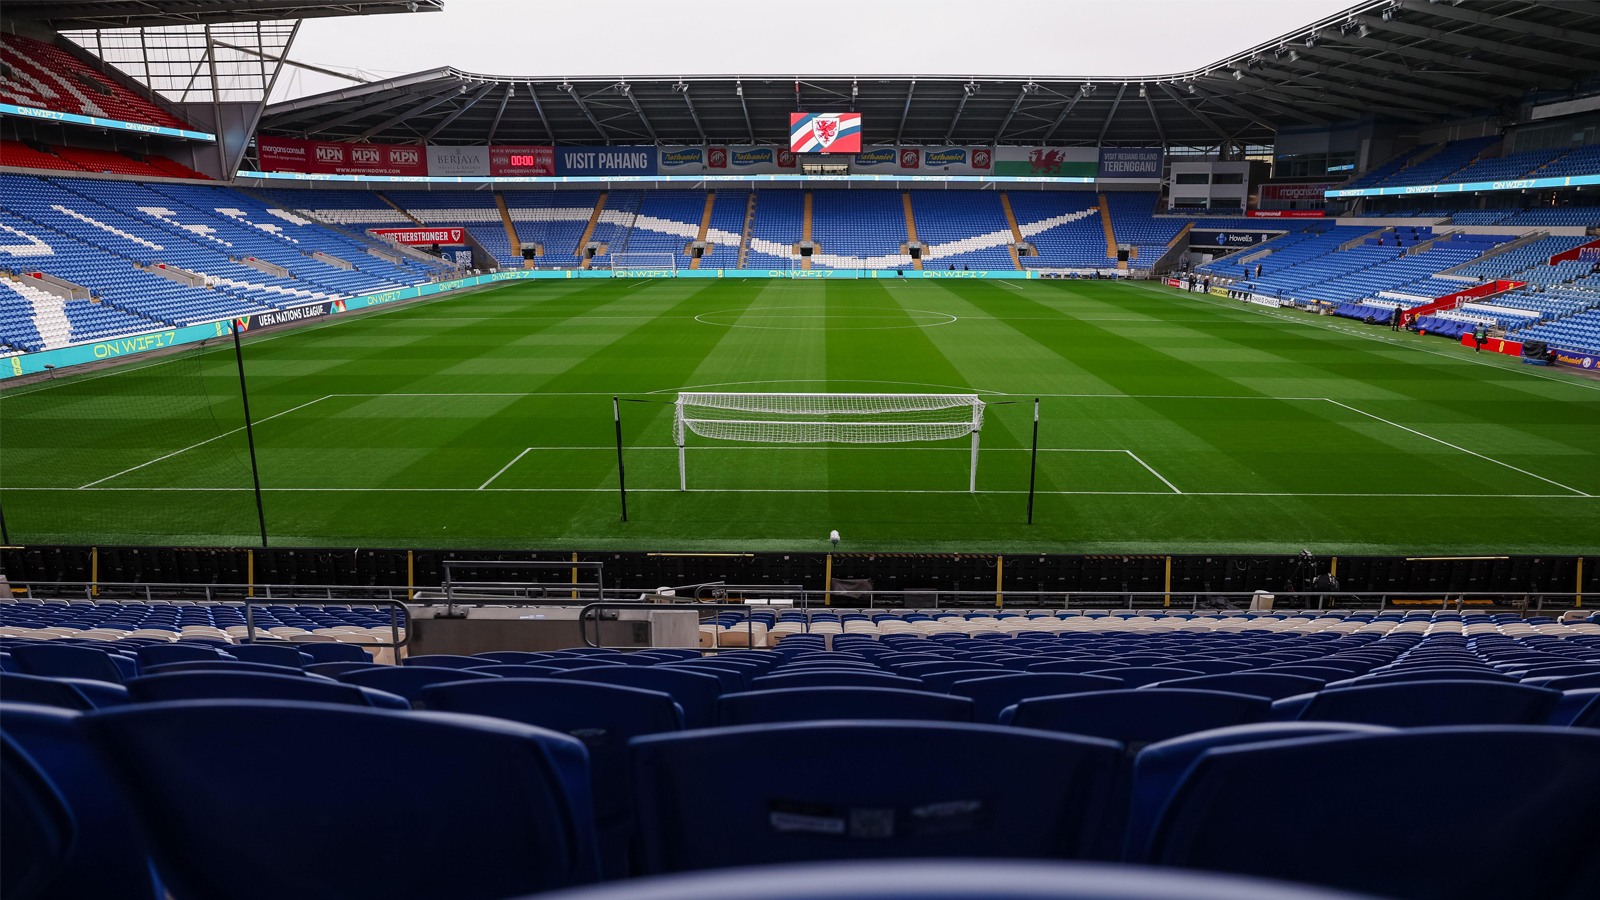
503 469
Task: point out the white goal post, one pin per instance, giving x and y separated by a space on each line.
827 418
648 261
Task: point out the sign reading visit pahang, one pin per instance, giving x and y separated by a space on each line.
825 132
423 236
639 160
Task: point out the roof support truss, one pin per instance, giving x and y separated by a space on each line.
455 113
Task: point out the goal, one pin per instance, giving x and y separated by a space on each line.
827 418
653 262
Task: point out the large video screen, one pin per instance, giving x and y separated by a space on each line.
825 132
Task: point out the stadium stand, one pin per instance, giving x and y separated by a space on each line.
1432 167
859 229
777 227
475 211
1063 226
1133 222
43 76
963 228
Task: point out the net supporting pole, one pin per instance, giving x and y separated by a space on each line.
250 435
683 473
1033 465
622 481
972 482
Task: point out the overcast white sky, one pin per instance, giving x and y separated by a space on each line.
812 37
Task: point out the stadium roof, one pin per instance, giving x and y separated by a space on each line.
66 15
1408 60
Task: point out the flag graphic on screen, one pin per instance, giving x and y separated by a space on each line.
825 132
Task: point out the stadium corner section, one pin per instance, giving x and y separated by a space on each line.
132 345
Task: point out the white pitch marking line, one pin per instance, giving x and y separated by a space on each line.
206 441
673 490
1462 449
1153 471
503 469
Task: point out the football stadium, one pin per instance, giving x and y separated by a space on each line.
429 483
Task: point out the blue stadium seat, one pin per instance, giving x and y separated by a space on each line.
1417 704
966 879
331 651
940 682
524 671
1257 683
1160 766
1080 666
1252 810
695 692
991 695
510 657
256 686
734 676
603 716
335 669
57 692
408 681
793 677
576 662
493 809
188 651
271 654
1565 682
67 661
1139 676
444 661
36 827
1138 717
107 858
222 665
805 704
707 798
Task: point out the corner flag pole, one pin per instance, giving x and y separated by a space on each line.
622 483
1033 466
249 432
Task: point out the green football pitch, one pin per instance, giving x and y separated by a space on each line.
1170 423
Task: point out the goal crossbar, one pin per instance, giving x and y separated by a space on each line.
814 418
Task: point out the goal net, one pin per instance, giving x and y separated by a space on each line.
667 262
827 418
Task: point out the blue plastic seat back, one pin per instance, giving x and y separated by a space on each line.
1079 666
408 681
808 704
108 858
603 716
1401 676
36 827
1138 717
733 677
1160 766
993 694
221 665
577 662
332 651
272 654
695 692
1139 676
17 688
444 661
1416 704
1565 682
706 798
242 686
335 669
1321 673
510 657
787 678
529 813
919 669
1252 810
189 651
940 682
1210 666
66 661
524 671
1256 683
670 653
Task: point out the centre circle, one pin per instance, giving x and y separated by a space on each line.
806 318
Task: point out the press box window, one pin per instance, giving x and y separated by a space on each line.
1193 178
1228 178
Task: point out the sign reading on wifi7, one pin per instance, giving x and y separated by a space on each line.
825 132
